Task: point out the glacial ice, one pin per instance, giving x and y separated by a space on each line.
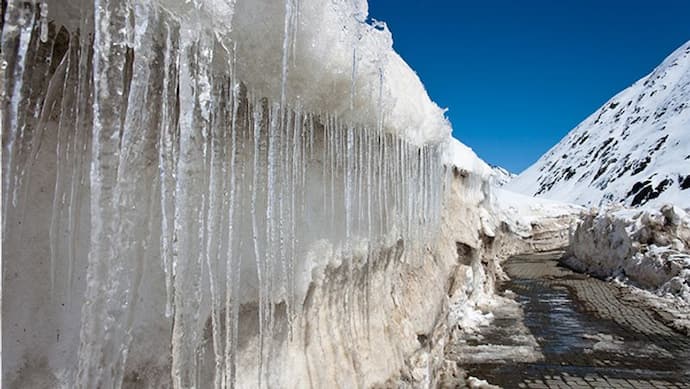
199 157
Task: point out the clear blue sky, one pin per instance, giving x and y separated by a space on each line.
517 75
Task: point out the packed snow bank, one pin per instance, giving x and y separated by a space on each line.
464 158
509 223
519 214
318 56
481 227
336 61
522 213
649 248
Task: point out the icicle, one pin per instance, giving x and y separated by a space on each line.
17 19
287 34
215 221
65 154
382 173
297 176
56 212
44 21
32 86
311 135
36 81
333 141
168 155
134 194
131 200
295 29
233 265
45 101
258 118
77 173
48 105
283 182
100 320
329 170
324 164
194 95
81 148
349 159
272 222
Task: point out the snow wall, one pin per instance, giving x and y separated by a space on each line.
228 194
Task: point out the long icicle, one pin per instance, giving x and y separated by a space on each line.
77 185
58 192
214 226
258 118
109 59
190 204
168 154
233 266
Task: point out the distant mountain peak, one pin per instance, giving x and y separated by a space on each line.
634 150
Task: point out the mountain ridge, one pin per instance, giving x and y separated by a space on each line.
633 150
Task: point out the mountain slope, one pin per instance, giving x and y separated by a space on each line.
634 150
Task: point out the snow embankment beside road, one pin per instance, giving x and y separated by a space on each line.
540 224
649 249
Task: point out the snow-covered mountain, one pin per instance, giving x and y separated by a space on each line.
634 150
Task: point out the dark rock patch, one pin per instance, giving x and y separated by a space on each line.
659 143
568 173
604 166
637 187
648 192
640 165
684 182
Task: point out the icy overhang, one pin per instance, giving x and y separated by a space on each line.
316 56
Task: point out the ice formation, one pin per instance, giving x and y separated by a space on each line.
187 159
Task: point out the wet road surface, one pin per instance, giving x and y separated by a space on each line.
571 330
